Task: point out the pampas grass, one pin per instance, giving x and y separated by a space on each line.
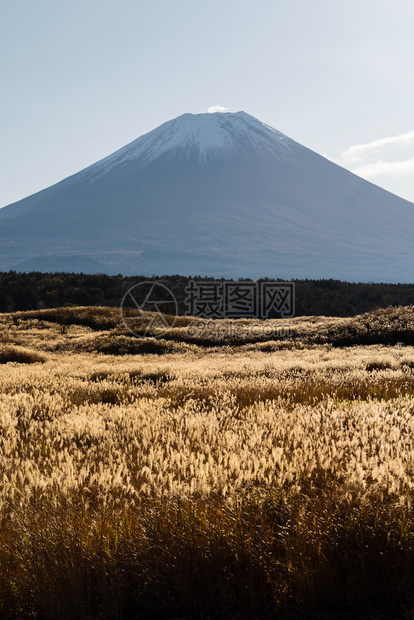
242 479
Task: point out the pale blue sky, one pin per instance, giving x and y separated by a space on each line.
80 79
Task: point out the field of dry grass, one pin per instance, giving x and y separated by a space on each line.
242 469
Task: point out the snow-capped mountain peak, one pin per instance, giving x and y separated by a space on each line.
217 194
202 135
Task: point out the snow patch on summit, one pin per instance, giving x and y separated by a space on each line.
216 108
202 135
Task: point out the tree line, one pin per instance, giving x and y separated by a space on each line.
36 290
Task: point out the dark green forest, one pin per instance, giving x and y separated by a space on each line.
36 290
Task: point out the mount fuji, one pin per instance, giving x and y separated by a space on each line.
216 194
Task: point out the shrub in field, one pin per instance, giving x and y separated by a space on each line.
19 354
94 317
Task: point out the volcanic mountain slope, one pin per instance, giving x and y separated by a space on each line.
213 194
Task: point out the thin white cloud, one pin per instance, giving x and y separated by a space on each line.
216 108
389 162
390 168
359 152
